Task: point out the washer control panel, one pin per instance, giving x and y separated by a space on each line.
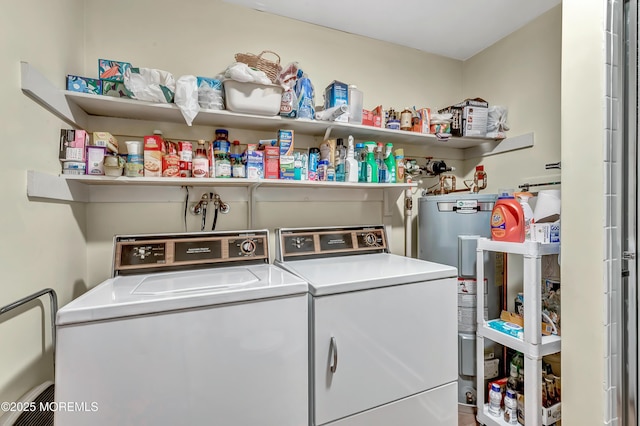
323 242
143 253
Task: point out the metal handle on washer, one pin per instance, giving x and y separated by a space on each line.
333 348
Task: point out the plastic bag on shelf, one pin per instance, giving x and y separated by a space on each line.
288 78
210 94
306 97
148 84
497 122
186 97
244 74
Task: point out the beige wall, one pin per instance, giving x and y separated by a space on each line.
521 72
582 200
42 244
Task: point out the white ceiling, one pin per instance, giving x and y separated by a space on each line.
453 28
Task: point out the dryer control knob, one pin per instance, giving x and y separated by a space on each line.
248 247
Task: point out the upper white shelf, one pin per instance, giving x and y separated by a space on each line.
527 248
75 108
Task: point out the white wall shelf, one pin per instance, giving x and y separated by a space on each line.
76 108
534 346
83 188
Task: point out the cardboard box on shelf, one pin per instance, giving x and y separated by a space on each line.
422 123
510 317
73 144
95 160
76 83
271 162
153 146
255 162
112 70
335 94
469 117
115 89
106 140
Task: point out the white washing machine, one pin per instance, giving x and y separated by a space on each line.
192 329
383 329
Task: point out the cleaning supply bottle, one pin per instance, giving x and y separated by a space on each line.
507 218
400 165
383 173
351 165
340 157
361 158
390 161
371 166
523 199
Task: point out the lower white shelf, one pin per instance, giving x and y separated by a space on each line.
550 344
487 419
550 416
84 188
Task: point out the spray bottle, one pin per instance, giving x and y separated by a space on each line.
390 161
383 173
351 164
400 165
523 199
371 165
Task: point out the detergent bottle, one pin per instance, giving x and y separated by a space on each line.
523 199
507 218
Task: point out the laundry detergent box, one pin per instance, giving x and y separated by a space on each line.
76 83
255 165
112 70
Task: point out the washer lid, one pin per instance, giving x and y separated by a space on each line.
131 295
360 272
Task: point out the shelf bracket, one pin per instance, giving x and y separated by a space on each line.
37 87
251 205
44 186
327 133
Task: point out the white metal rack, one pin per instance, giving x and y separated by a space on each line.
533 345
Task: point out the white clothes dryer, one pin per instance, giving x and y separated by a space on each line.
383 329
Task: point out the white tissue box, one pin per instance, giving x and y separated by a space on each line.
546 232
252 98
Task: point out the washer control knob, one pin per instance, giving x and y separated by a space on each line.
248 247
370 239
298 242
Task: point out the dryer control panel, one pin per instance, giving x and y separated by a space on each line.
164 252
324 242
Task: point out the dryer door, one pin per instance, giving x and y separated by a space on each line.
373 347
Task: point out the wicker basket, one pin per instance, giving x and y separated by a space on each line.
270 68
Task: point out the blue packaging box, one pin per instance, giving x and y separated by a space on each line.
112 70
336 93
84 84
507 328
